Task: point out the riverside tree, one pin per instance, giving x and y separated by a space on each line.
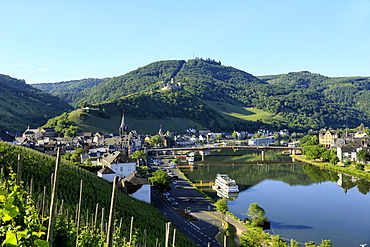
363 155
256 214
160 180
221 206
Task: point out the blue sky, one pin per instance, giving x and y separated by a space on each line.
49 41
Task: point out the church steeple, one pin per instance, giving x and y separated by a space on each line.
123 128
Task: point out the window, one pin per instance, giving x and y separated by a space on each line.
121 168
129 168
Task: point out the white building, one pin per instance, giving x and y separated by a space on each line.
263 141
137 186
118 163
106 173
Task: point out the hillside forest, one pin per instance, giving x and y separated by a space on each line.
213 96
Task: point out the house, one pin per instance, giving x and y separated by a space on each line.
327 138
347 152
136 186
48 132
183 140
106 173
360 134
32 134
283 132
293 144
94 154
263 141
119 163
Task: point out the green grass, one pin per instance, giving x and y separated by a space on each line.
240 112
143 126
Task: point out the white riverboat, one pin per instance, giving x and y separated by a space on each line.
225 183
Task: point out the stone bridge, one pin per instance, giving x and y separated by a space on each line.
202 149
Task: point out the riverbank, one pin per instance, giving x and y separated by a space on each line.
342 169
231 227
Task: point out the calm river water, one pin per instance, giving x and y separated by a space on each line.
301 201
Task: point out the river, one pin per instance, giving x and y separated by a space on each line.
302 202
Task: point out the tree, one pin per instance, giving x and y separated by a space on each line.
309 140
160 180
156 140
138 154
221 206
256 214
218 137
328 155
234 135
314 152
347 163
334 160
363 155
293 243
359 166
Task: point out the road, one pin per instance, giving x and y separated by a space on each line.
202 231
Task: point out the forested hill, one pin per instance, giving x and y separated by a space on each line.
23 105
204 78
297 100
69 90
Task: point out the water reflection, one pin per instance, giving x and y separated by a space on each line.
231 196
248 175
303 202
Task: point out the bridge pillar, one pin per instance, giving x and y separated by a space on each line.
202 154
263 155
292 151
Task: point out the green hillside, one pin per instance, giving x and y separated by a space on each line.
23 105
146 112
69 90
298 100
39 167
242 113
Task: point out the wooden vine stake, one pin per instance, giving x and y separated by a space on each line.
111 214
96 215
19 169
168 226
102 220
144 240
49 236
132 223
174 237
31 188
79 213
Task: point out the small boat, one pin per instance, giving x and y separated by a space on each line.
225 183
287 152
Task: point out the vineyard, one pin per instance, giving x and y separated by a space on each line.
83 203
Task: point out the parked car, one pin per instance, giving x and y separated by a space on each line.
174 203
177 186
171 199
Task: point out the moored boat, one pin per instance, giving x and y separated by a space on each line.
225 183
